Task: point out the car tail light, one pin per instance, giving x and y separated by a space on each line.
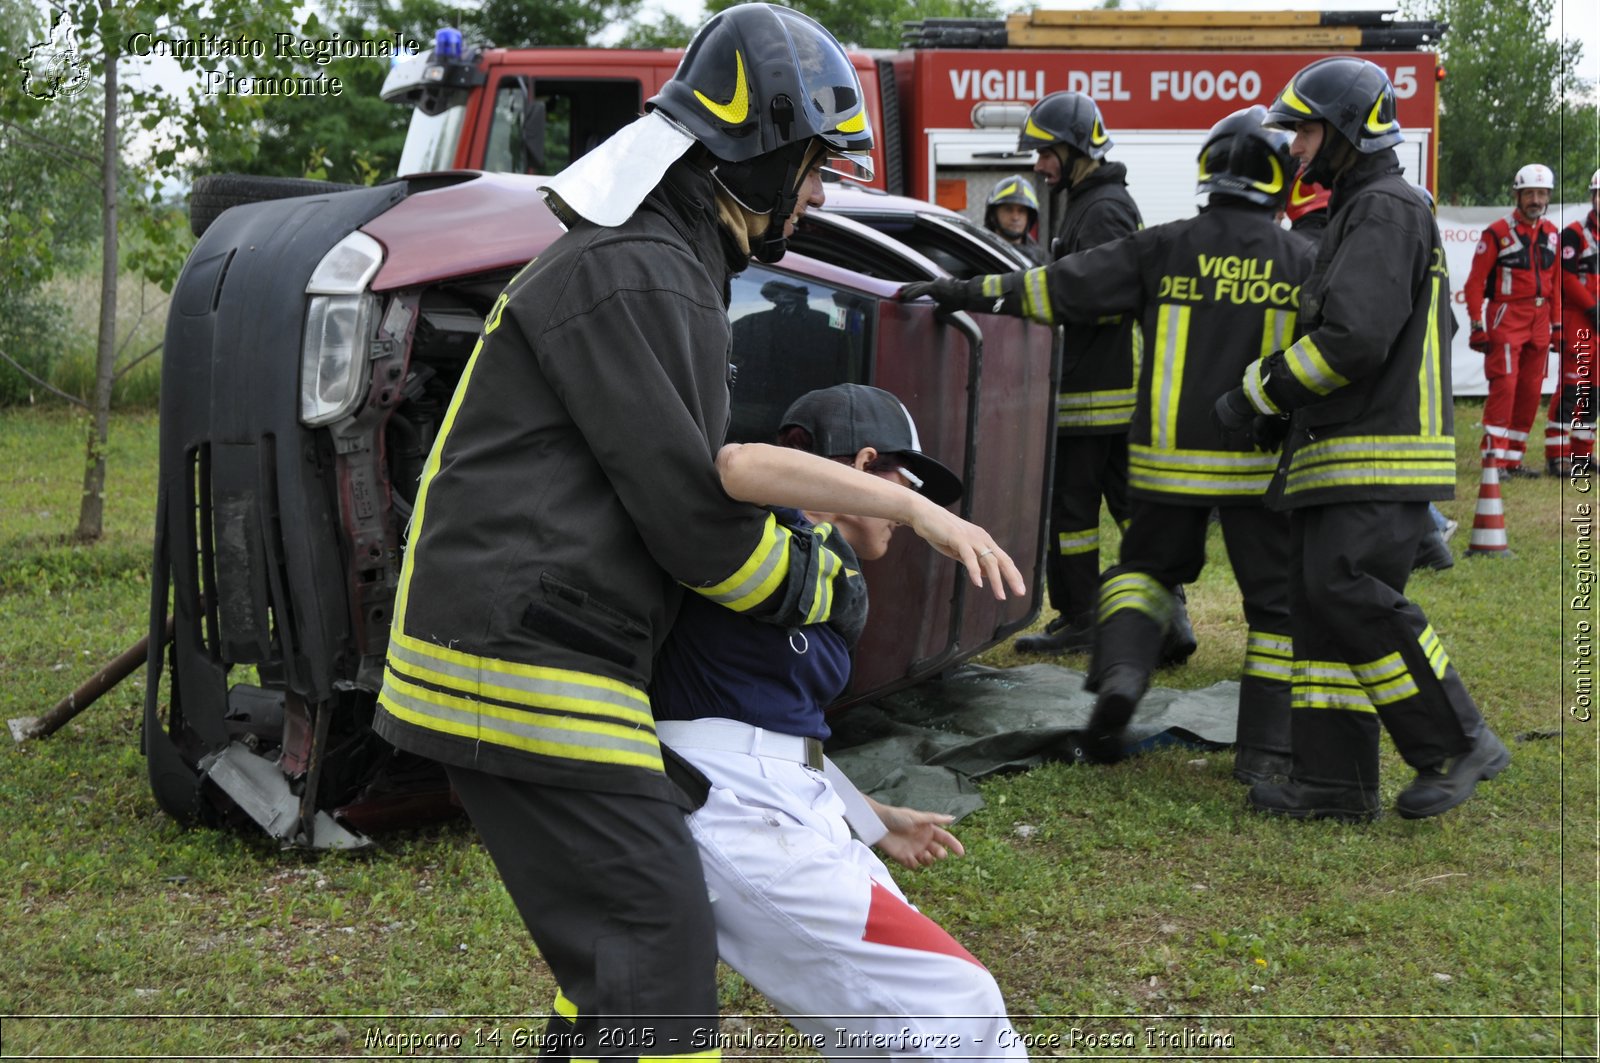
339 323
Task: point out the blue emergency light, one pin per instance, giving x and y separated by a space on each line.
447 44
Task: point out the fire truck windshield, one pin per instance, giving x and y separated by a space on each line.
432 139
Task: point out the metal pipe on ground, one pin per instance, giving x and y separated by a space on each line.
90 691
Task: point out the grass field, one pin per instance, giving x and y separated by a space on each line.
1146 914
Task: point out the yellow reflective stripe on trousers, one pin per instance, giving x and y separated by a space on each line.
567 737
1308 366
1036 297
1269 656
1166 375
1438 660
709 1055
564 1007
1327 685
1199 472
1373 460
1086 541
1430 408
1136 591
761 574
1387 680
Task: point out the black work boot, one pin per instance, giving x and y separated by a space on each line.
1120 688
1252 765
1180 642
1059 636
1519 471
1301 800
1433 552
1558 466
1447 784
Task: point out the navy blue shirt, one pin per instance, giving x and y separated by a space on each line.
719 663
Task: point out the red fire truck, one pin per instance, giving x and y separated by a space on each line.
948 108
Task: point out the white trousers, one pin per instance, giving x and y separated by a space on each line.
812 919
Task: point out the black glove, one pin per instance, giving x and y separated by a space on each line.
1478 338
1268 432
952 294
1235 418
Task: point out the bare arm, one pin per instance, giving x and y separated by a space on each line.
782 476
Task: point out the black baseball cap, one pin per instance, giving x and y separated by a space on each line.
847 417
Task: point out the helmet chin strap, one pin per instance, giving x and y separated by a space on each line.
772 244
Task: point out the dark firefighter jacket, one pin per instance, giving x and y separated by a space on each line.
569 499
1213 294
1368 378
1099 368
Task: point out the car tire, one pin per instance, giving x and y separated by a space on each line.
212 194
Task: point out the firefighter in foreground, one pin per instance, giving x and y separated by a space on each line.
571 498
1212 293
1569 436
1366 388
1011 214
1514 303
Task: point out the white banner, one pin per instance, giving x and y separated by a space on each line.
1460 228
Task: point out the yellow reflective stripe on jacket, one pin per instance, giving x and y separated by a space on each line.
435 457
1327 685
564 1006
1199 472
1308 366
548 734
1095 408
1277 330
1269 656
1255 387
1136 591
707 1055
1166 375
761 574
1349 461
1086 541
1387 680
1036 297
1438 660
829 565
1430 407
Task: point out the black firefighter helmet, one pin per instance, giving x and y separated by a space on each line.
1243 158
1015 190
1353 96
1069 118
756 86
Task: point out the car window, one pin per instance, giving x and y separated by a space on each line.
792 334
959 247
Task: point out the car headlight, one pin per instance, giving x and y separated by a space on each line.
339 324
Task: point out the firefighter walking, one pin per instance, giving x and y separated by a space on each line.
1366 386
571 497
1213 293
1514 303
1569 436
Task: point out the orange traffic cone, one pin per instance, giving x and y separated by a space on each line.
1489 519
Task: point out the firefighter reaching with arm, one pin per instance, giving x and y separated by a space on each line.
1366 388
1212 294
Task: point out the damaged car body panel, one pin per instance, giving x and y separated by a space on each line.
312 349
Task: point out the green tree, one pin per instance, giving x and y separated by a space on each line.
1510 97
876 23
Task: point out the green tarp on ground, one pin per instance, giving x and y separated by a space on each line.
925 746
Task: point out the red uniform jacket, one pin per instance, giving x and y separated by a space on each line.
1580 276
1514 270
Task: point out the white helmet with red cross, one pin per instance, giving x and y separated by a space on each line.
1594 182
1534 175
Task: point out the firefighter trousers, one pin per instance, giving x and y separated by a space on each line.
1363 653
1087 469
612 890
1165 546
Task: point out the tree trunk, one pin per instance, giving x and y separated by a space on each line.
91 508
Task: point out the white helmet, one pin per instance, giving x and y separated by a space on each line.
1594 182
1534 175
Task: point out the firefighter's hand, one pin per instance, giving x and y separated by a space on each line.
1269 431
1235 418
952 295
1478 339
